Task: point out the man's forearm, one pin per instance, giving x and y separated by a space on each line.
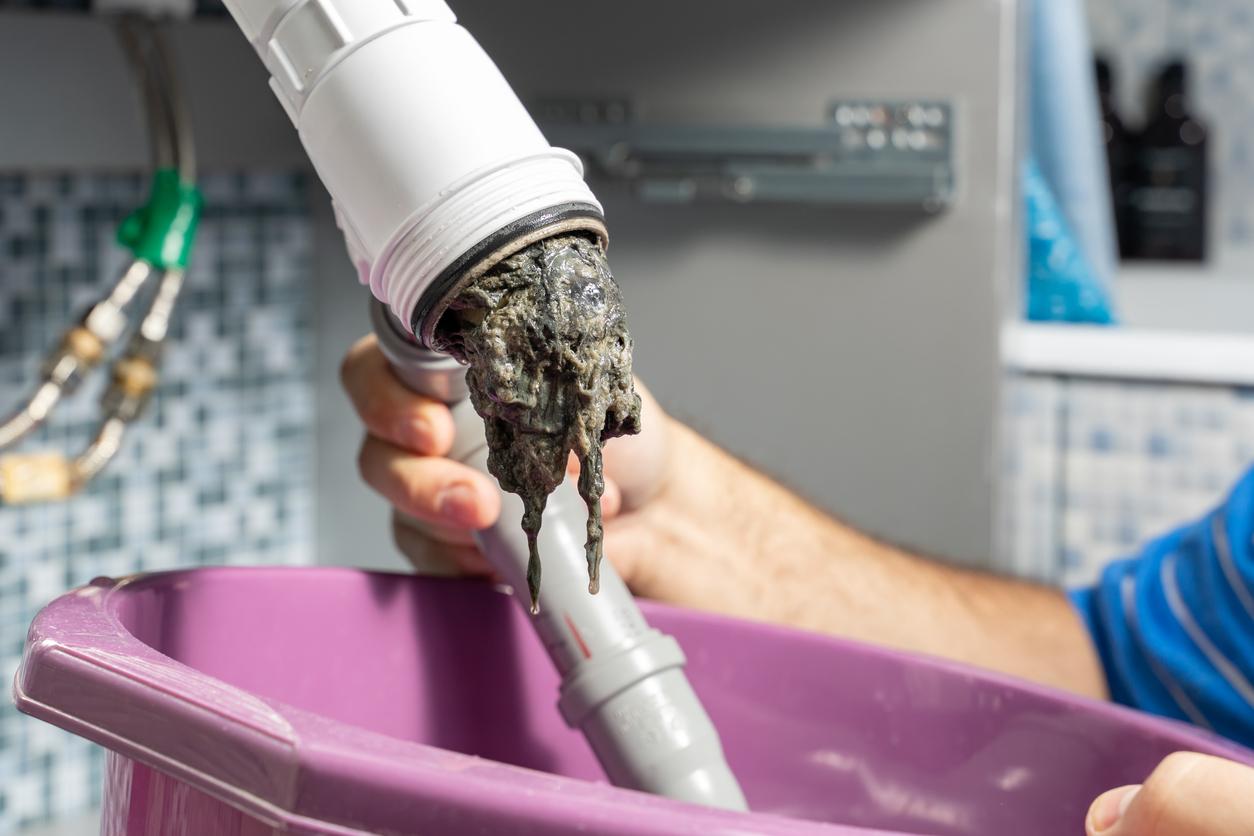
742 545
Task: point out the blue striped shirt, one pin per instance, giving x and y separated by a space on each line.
1174 626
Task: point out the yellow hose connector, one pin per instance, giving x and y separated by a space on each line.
136 376
35 477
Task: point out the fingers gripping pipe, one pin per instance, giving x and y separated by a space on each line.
623 683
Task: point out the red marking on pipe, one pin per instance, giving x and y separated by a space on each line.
587 654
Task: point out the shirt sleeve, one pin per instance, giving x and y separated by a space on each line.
1174 626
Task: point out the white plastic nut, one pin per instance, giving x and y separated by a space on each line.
106 321
299 41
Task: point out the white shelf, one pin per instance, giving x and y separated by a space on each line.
1217 296
1129 353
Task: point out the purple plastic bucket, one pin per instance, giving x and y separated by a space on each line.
333 701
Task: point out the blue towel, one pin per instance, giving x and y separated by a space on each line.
1066 131
1061 282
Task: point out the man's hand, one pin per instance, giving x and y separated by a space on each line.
688 524
1187 795
402 458
440 501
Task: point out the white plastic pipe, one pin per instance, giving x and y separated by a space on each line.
432 162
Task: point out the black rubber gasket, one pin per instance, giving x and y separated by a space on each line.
449 277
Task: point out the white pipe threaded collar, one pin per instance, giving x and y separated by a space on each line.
470 211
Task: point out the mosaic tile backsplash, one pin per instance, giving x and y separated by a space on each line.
1216 39
1095 468
217 471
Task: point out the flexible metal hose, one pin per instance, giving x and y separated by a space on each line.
51 476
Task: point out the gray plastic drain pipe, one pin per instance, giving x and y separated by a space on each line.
623 683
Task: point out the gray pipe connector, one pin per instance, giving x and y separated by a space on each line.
623 683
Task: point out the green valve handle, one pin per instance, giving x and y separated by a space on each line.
162 231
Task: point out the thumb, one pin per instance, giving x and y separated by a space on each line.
1109 809
1187 795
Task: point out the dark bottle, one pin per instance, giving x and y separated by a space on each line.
1120 156
1167 208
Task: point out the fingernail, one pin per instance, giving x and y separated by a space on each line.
422 429
1110 806
457 505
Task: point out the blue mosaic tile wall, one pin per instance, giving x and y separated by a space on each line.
1216 38
219 469
1093 468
